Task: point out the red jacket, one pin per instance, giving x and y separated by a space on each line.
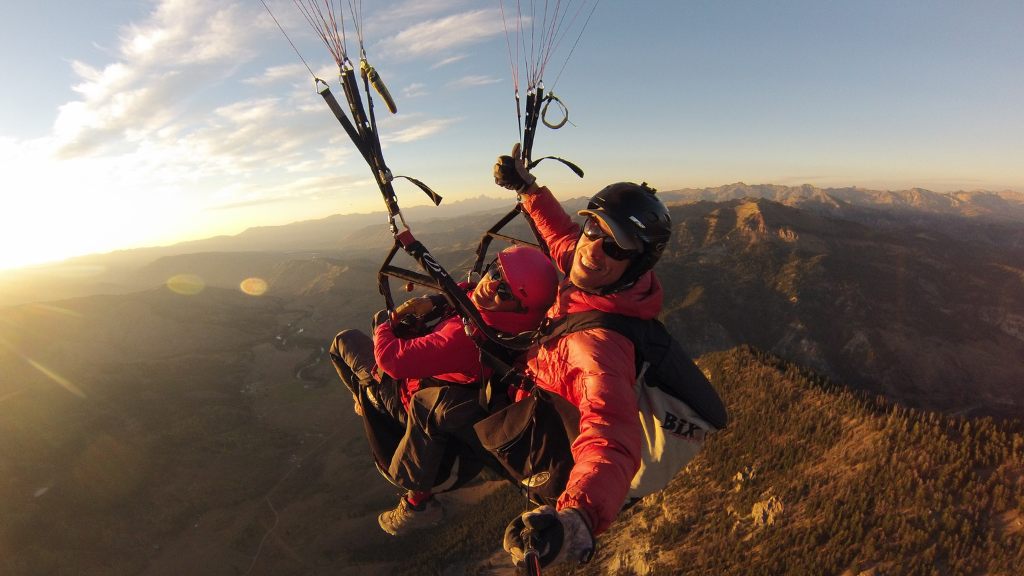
447 353
595 370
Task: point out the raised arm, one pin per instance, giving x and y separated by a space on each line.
555 226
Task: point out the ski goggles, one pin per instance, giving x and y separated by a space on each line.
494 274
592 230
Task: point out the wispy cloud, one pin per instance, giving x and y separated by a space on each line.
277 74
246 196
415 90
152 135
417 9
418 131
448 61
471 81
184 46
437 36
157 101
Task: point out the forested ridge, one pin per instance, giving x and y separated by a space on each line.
809 478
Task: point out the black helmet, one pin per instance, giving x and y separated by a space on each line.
630 208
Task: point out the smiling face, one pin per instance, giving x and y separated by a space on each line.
591 267
485 296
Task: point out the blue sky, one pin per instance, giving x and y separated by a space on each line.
126 123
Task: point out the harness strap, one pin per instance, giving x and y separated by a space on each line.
503 376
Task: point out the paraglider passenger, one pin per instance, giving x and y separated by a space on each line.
608 265
415 393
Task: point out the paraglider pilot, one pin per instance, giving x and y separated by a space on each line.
608 265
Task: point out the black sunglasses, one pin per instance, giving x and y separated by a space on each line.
592 230
494 274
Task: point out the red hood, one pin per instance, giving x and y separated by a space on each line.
643 300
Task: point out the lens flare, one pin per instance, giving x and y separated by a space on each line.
253 286
64 382
186 284
46 308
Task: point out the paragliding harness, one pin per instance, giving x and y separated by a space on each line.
678 408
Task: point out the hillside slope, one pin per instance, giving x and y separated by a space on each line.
931 320
812 479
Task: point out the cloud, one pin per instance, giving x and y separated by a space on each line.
418 131
182 124
448 61
437 36
416 10
314 187
184 47
278 74
414 90
471 81
170 105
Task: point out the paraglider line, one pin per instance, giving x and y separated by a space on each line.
357 21
574 45
327 31
288 39
512 63
559 32
548 40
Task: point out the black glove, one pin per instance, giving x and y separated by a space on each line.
558 536
511 172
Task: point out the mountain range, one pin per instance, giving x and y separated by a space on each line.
1006 205
363 235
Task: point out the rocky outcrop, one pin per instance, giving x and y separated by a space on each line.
765 513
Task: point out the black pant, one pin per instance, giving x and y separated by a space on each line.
436 415
352 355
413 447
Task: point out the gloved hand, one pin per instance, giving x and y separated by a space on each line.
511 172
558 536
414 307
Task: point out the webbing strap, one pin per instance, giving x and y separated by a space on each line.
502 373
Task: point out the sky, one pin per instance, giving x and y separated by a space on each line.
127 123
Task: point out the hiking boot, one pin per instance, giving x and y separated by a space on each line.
406 517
